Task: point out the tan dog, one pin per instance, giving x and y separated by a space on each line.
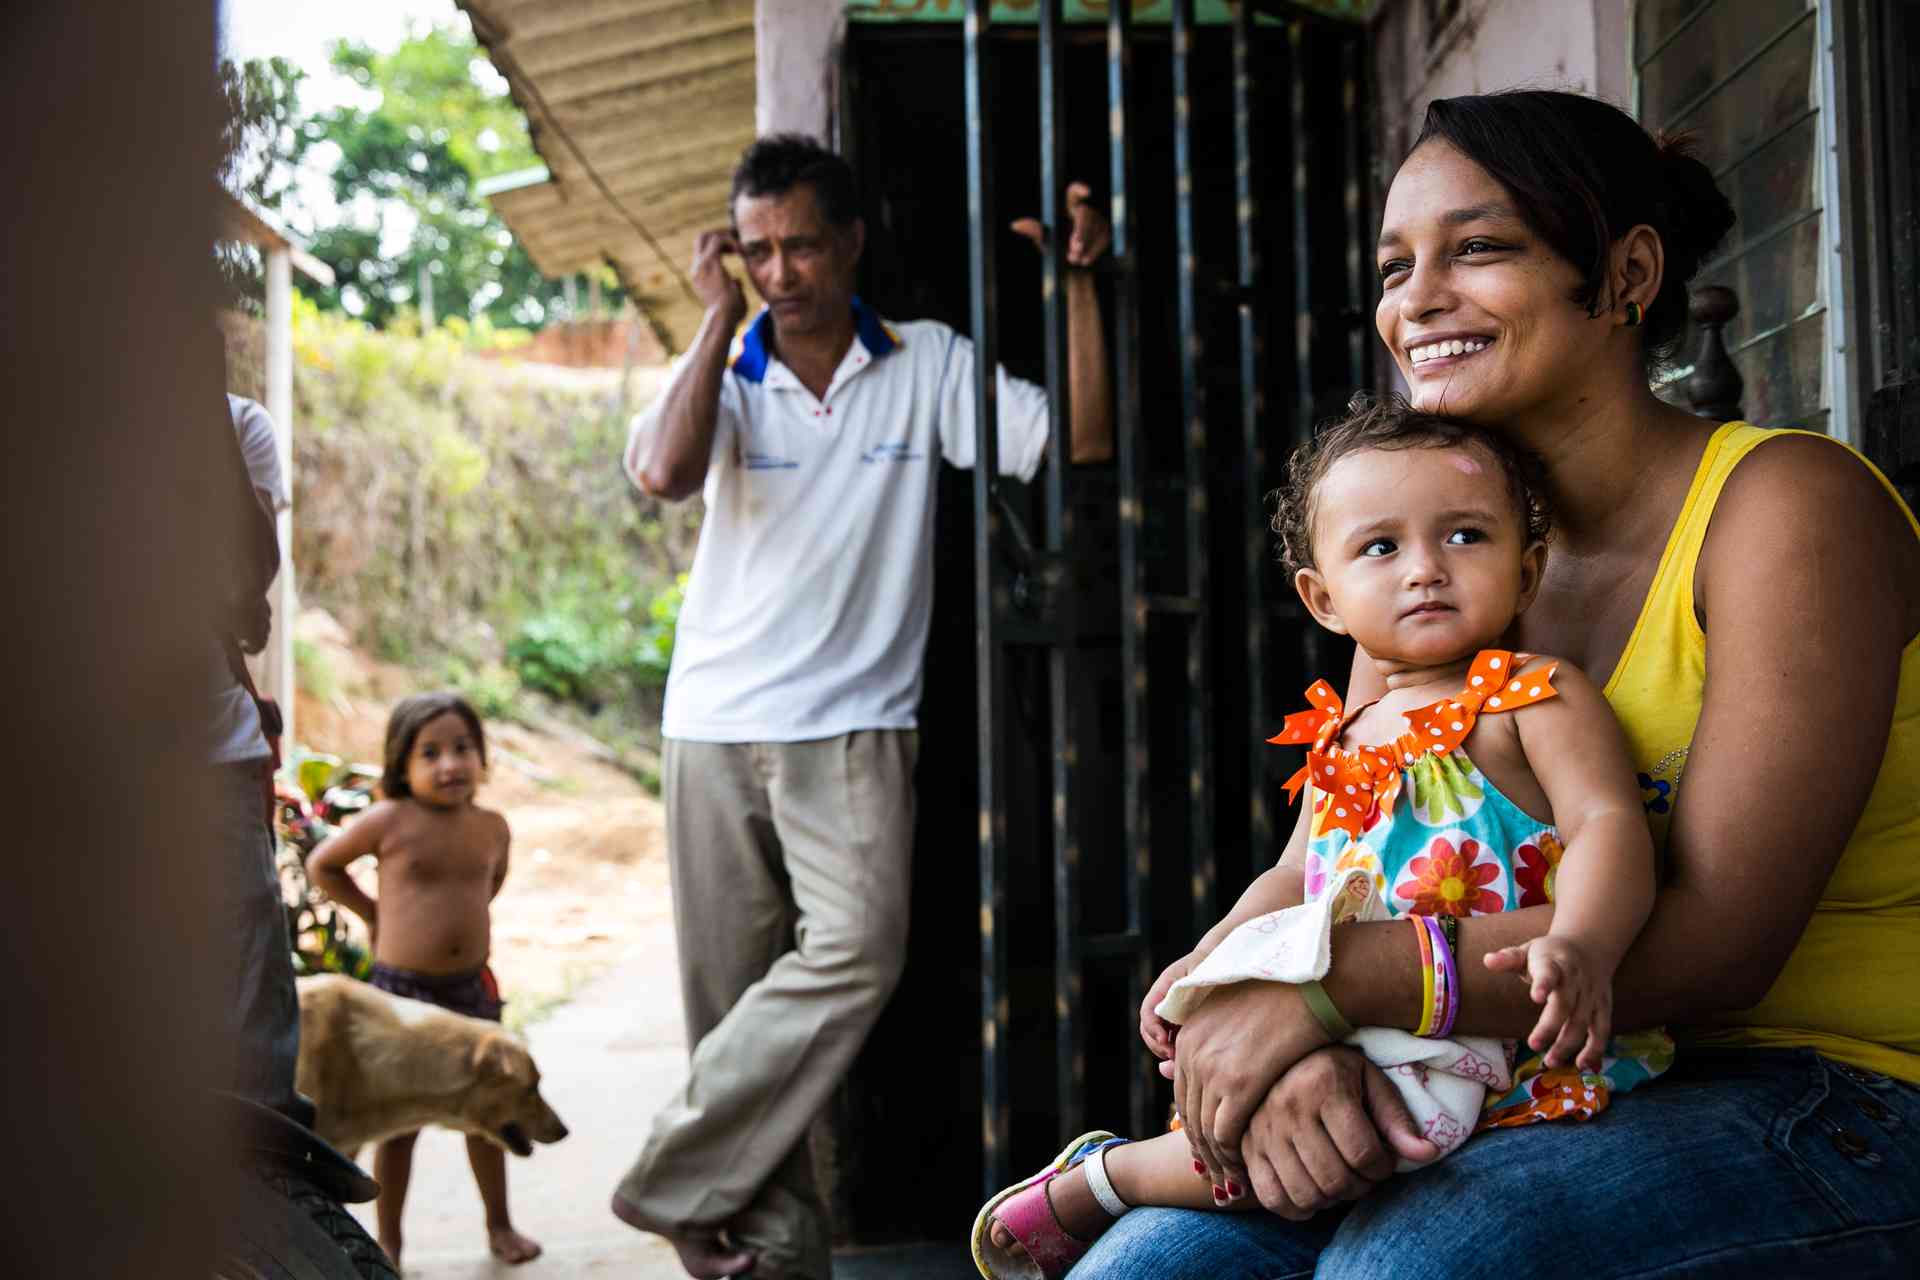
377 1065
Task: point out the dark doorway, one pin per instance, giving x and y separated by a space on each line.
913 1101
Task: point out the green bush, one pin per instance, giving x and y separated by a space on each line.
556 654
594 648
654 652
493 689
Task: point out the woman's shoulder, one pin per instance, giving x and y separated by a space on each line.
1797 498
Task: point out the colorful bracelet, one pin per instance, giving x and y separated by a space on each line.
1450 1006
1438 1011
1321 1005
1426 977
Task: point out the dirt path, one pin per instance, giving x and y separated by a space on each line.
608 1060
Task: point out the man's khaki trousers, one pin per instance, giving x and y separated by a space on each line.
791 871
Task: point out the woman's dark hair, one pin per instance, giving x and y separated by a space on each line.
410 716
1582 173
779 162
1388 422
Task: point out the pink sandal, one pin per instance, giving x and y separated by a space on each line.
1023 1209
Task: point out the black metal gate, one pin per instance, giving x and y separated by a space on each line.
1097 694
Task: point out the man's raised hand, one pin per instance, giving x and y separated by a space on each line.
715 286
1090 233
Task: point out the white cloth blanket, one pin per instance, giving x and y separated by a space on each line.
1444 1082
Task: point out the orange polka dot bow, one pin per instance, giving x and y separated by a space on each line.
1359 781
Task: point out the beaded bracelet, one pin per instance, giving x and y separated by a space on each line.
1426 977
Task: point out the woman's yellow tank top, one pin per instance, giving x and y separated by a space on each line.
1851 988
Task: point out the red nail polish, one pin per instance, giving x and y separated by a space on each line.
1233 1189
1219 1196
1199 1168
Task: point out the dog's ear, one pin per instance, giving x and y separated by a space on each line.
497 1057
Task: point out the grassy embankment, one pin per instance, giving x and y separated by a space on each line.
464 515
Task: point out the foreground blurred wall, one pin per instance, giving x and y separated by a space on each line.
108 156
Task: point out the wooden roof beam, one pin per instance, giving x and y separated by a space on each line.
730 77
693 20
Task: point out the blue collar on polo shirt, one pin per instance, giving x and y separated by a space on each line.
868 327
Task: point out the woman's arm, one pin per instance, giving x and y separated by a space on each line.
1281 885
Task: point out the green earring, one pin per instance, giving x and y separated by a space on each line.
1634 315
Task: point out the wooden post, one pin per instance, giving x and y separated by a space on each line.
1714 387
278 656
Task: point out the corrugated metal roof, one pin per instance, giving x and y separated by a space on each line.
640 109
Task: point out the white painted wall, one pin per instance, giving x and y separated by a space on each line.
1493 44
796 51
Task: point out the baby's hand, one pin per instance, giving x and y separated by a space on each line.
1155 1030
1577 991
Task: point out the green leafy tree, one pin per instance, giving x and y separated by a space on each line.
407 167
259 139
259 145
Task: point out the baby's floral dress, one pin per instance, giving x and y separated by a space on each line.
1438 838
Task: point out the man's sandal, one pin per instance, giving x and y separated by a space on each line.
1027 1214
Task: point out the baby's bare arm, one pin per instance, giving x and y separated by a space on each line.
1604 885
327 865
1603 891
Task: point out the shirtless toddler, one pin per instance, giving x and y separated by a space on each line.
441 860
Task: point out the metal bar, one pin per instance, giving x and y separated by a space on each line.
1194 413
1252 408
1798 118
1755 339
1070 1052
1302 239
1760 241
1679 29
1361 280
996 1111
1765 47
1144 1084
1313 645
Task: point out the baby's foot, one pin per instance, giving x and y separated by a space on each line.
510 1246
1074 1208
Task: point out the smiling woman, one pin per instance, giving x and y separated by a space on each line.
1533 260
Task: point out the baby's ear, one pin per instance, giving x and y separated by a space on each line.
1314 594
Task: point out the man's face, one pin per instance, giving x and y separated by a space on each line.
800 263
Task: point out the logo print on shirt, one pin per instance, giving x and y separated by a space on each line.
769 462
902 452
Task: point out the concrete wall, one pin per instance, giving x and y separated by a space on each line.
796 54
1492 44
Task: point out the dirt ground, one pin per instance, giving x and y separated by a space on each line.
589 843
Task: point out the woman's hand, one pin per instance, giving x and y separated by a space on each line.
1154 1029
1231 1052
1330 1131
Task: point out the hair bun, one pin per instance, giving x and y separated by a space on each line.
1698 212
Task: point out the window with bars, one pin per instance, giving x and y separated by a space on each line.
1745 77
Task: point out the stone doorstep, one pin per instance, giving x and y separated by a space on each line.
937 1261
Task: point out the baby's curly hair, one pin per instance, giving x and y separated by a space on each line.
1389 422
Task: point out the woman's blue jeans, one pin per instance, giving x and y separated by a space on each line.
1736 1163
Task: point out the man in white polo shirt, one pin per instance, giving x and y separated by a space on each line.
790 709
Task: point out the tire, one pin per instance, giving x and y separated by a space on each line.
284 1228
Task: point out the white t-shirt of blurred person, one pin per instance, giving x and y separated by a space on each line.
235 736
